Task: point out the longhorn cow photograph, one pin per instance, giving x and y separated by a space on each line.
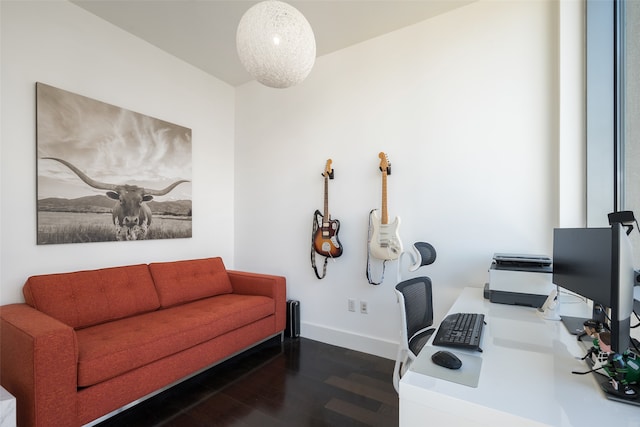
109 174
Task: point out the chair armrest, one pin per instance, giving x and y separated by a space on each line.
266 285
38 365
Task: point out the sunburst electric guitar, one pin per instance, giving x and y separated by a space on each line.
385 241
325 239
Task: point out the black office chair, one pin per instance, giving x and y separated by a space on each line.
416 309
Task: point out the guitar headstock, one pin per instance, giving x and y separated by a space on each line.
385 166
328 172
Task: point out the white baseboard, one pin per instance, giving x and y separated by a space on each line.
347 339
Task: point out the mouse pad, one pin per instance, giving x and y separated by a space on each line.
468 374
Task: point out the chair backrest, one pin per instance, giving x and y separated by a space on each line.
425 255
417 304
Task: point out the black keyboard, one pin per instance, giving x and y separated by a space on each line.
462 330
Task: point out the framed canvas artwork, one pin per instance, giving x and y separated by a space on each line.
105 173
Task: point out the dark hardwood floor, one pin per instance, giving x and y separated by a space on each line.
299 382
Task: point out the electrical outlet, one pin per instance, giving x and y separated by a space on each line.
351 304
364 307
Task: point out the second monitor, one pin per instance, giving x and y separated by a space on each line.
597 263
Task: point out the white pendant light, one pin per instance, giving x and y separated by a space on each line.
276 44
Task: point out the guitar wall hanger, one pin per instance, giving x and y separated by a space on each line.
330 173
388 169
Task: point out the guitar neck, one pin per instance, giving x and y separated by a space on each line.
385 215
326 198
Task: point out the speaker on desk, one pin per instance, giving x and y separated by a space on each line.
293 319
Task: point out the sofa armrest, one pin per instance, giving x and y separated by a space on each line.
266 285
38 365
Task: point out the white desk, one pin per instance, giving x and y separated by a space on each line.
525 378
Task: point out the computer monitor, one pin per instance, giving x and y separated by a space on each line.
597 263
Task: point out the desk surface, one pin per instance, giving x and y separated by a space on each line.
525 378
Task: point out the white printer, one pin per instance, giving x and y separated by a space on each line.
519 279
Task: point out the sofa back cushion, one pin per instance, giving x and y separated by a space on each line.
84 298
178 282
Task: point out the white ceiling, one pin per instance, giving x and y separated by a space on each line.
202 32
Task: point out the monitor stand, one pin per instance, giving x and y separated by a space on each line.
605 386
575 325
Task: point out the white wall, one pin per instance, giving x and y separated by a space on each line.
57 43
466 107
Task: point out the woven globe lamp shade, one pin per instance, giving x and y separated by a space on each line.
276 44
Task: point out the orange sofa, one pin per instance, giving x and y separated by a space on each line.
88 343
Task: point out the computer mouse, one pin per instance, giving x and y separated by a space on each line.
446 359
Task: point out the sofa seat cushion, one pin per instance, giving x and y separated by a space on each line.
110 349
85 298
178 282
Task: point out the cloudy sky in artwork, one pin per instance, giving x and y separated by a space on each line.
109 144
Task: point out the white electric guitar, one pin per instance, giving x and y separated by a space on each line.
385 241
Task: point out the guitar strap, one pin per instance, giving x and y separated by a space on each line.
316 220
384 263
